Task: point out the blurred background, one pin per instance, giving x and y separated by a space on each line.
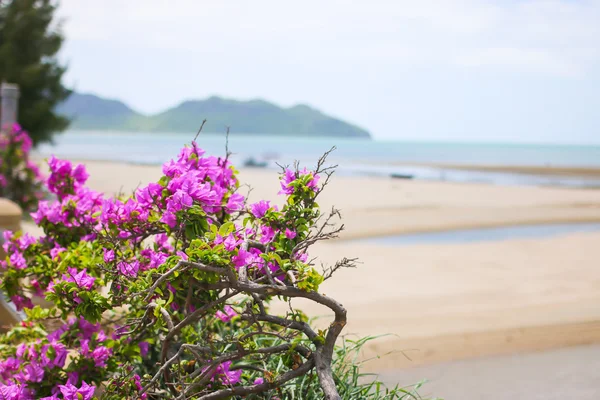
468 152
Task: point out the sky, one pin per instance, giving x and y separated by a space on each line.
440 70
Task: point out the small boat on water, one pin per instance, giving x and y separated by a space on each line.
254 163
401 176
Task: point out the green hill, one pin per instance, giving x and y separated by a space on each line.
90 112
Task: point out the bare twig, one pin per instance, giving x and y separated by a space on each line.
199 130
343 263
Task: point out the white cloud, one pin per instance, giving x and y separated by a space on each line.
528 60
360 60
536 31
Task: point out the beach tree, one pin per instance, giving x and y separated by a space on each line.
30 39
20 177
165 294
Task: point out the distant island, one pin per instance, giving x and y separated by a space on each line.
90 112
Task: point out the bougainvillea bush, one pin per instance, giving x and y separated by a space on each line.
164 294
20 179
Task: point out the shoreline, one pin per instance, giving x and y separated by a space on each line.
574 172
539 170
583 172
391 217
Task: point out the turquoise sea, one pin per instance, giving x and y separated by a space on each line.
358 157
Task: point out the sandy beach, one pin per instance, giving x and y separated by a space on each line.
442 303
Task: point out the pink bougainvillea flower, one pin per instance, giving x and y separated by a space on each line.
227 314
138 385
81 278
34 169
21 350
129 268
64 179
181 254
235 202
146 196
157 259
287 178
60 357
109 255
21 302
242 258
73 378
179 201
230 242
87 328
25 241
290 176
260 209
56 250
313 184
14 391
289 233
8 366
162 240
100 354
227 376
72 392
169 218
171 288
302 257
33 373
144 347
80 174
7 236
18 261
267 234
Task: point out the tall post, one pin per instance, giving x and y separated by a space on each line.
9 93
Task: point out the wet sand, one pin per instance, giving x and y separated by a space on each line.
581 172
572 373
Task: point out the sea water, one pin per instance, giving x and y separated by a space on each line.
354 156
486 234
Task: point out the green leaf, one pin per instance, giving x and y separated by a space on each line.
37 313
277 258
226 229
